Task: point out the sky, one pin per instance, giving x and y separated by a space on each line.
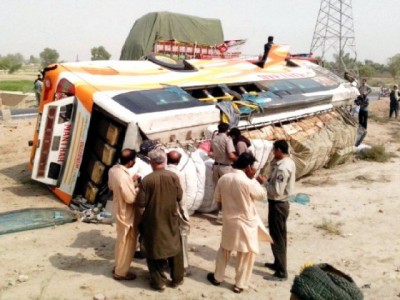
73 27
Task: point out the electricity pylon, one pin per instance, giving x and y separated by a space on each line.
334 36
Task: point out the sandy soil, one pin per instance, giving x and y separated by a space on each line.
351 222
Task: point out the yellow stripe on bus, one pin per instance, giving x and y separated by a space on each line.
73 148
77 148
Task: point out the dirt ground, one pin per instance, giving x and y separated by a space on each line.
351 222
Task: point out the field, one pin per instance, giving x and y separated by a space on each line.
20 81
25 86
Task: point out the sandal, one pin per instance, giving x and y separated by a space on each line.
175 284
237 289
128 276
211 278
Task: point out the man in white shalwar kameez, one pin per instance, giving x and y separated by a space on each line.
242 228
122 184
173 159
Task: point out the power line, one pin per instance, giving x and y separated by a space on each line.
334 36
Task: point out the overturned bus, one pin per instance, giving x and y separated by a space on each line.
89 111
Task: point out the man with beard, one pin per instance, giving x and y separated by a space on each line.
160 239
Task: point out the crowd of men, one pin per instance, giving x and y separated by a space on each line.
151 210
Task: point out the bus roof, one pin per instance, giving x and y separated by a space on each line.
139 75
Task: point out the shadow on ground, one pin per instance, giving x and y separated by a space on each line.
22 185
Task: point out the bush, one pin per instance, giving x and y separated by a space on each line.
375 153
14 68
378 119
330 227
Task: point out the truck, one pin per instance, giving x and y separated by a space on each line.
89 111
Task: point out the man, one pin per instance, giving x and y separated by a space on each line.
236 193
224 154
173 159
240 142
363 102
38 84
160 239
267 47
142 166
280 186
124 191
394 101
364 88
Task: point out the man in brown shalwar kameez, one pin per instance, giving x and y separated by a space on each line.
160 239
124 191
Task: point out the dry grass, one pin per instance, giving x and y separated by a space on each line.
395 134
324 181
330 227
375 153
378 118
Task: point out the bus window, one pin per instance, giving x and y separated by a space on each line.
149 101
65 113
64 89
54 170
281 87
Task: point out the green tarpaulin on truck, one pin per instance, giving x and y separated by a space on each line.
169 26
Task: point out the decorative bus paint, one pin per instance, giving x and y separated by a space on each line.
148 100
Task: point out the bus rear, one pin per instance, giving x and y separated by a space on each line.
61 133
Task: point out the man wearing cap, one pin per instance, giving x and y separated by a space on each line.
142 166
224 155
223 151
280 186
242 228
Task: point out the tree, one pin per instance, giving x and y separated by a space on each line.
33 60
340 64
366 71
379 68
100 53
394 65
11 62
48 56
